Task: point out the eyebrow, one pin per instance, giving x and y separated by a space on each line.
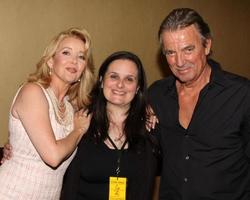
165 51
69 48
188 47
113 72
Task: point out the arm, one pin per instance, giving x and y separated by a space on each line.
32 108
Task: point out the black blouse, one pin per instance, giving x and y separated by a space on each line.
87 177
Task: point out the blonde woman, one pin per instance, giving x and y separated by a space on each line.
44 131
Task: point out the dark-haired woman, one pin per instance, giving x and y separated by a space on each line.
116 158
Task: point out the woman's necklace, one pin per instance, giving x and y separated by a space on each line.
61 109
118 141
120 136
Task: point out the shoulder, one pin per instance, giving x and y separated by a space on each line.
236 78
28 99
31 92
161 85
236 82
30 88
233 85
226 78
240 86
159 89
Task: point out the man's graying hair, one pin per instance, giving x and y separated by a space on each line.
181 18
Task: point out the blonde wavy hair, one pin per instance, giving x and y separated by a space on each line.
79 91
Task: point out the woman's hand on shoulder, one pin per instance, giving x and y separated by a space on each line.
151 118
82 120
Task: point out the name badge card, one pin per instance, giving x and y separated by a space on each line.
117 188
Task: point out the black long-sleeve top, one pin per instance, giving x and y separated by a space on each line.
87 177
210 159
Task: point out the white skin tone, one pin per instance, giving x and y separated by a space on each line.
31 106
186 57
120 85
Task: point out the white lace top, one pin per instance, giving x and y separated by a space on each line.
25 176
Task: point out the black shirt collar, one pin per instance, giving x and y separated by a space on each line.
217 77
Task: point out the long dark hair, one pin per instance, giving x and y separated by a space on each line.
134 128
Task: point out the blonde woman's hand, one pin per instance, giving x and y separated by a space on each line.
82 121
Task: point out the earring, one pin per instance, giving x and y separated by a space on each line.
137 90
50 71
100 79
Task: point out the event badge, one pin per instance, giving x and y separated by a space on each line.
117 188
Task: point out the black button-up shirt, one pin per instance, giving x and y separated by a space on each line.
210 159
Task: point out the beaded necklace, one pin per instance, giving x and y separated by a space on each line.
62 110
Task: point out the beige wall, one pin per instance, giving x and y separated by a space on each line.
26 26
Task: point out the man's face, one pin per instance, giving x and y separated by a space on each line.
185 53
